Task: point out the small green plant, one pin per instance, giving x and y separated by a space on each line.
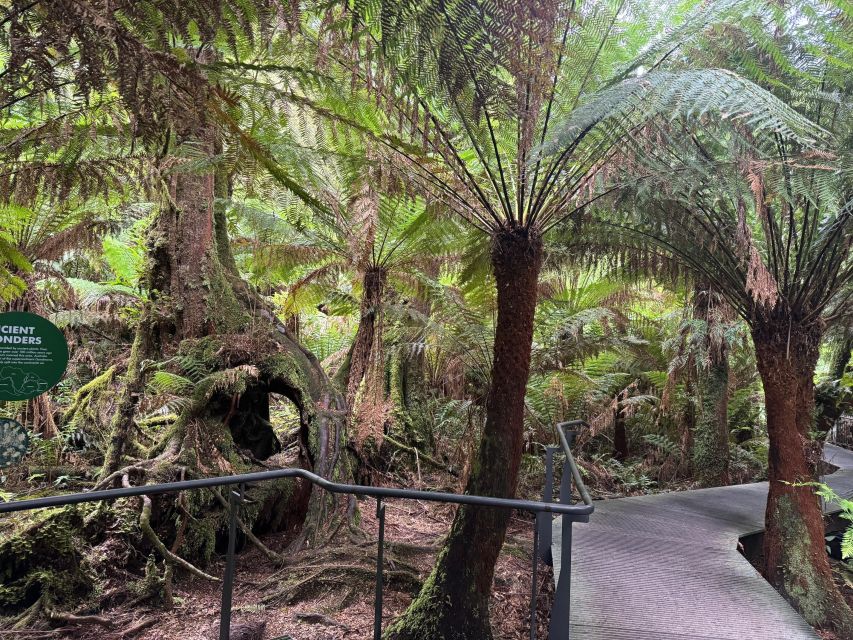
846 513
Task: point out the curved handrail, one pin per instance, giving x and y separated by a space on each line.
333 487
573 466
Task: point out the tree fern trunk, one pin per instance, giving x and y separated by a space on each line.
373 288
840 359
454 603
711 435
794 554
620 432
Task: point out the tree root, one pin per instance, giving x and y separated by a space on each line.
142 625
420 454
117 475
274 557
29 615
70 618
319 618
335 576
145 526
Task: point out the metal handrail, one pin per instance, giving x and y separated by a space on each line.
333 487
559 627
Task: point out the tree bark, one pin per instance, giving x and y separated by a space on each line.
711 436
620 433
454 602
795 558
840 359
373 288
199 303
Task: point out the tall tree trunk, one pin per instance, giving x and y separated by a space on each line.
620 432
199 306
794 554
373 289
711 436
454 602
840 359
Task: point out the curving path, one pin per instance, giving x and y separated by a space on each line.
666 567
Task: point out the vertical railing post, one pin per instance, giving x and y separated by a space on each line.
559 628
380 552
534 583
228 583
544 522
561 609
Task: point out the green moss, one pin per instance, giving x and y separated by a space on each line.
199 542
801 580
81 412
224 310
44 559
710 438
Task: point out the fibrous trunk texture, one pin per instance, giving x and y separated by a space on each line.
373 285
201 309
840 359
620 431
794 551
711 435
454 602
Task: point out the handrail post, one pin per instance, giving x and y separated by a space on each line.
544 522
228 581
559 628
561 609
380 552
534 582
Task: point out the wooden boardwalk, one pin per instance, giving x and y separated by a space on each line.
667 567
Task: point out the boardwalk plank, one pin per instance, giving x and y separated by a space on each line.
666 567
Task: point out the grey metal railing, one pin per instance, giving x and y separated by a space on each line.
559 623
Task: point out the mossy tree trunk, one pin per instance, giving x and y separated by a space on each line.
620 431
199 307
373 289
454 602
840 359
794 551
711 433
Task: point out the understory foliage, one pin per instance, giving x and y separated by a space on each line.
396 242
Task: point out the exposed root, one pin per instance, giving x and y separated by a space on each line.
274 557
418 454
118 475
24 620
142 625
336 576
145 526
70 618
319 618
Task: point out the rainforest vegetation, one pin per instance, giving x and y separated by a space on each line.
395 242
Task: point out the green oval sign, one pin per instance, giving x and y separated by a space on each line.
33 355
14 442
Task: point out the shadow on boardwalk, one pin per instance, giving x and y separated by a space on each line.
667 567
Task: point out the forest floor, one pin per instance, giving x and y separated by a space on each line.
328 593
